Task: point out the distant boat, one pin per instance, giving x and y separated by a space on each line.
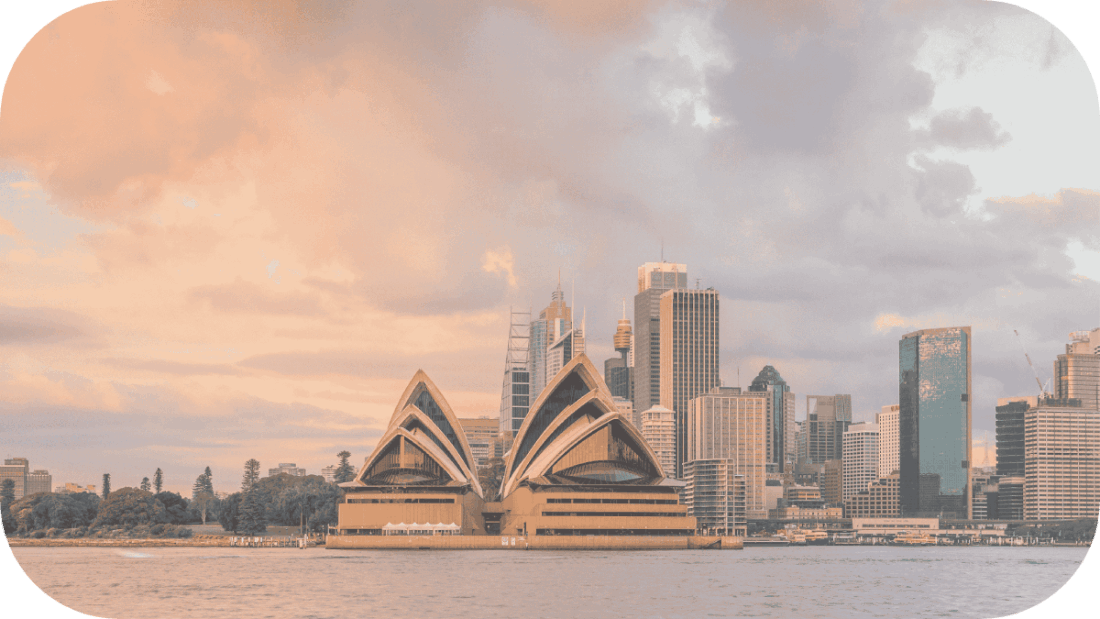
909 538
817 538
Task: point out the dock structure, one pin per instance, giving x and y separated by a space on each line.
272 542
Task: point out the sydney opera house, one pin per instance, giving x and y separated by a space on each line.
577 467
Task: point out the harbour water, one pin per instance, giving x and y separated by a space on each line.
824 581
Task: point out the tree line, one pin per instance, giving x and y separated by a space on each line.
308 502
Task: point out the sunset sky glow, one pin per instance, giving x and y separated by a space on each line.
232 233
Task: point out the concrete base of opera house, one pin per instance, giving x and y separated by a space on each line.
533 542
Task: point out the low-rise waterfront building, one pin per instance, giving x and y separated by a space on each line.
802 514
880 500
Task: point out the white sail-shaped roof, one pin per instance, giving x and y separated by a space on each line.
423 419
574 408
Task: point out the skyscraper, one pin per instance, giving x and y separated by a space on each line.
726 424
860 458
1061 461
654 278
1010 434
934 421
516 394
1077 373
887 422
689 352
781 447
554 323
827 419
554 342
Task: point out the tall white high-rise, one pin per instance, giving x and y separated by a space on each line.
860 458
887 422
659 430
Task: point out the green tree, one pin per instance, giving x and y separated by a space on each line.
203 504
128 508
106 485
7 499
251 518
145 485
176 507
55 511
202 495
344 472
202 485
251 474
158 481
229 512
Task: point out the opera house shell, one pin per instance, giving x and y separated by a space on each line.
421 473
579 467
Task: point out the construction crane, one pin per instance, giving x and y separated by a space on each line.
1043 393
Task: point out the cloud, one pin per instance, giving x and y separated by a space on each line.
8 229
499 262
157 84
972 128
163 366
42 325
245 297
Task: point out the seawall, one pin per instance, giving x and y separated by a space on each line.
531 542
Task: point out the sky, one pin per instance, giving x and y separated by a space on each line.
237 232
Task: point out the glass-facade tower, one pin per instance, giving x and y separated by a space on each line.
781 446
934 421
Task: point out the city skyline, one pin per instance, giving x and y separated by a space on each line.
222 310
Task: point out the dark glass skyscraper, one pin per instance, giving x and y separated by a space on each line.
780 429
934 422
